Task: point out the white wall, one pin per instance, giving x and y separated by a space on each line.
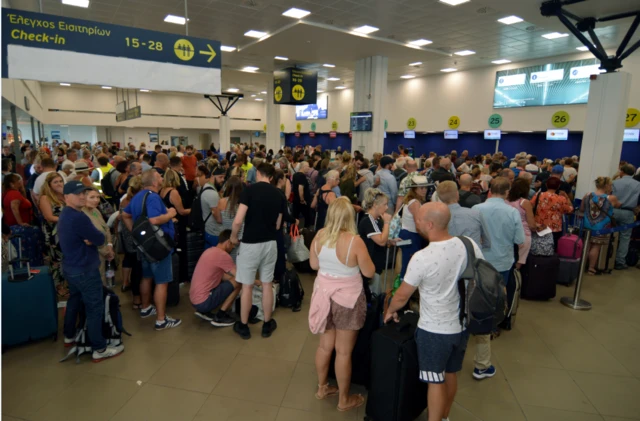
16 90
73 133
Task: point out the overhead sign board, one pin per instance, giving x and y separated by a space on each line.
294 86
130 114
51 48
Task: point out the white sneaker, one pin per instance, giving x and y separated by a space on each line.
109 352
69 342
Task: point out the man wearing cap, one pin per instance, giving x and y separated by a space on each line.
79 241
627 190
209 201
557 172
386 182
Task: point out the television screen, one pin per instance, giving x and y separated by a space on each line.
450 134
409 134
547 84
316 111
631 135
361 121
557 134
492 134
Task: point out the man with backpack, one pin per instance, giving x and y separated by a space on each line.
441 337
204 210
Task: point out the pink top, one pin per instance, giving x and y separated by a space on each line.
342 290
523 215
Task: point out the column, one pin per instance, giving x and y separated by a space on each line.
604 129
225 134
370 94
40 138
36 141
16 140
273 121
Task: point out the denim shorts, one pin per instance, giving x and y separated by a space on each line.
216 297
161 272
439 354
210 240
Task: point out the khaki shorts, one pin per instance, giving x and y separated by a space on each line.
254 258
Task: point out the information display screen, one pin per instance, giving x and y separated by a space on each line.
450 134
631 135
316 111
409 134
492 134
547 84
557 134
361 121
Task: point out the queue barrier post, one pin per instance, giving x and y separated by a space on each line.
576 303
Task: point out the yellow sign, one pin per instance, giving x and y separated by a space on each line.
277 94
298 127
412 123
264 128
560 119
211 53
282 127
184 49
297 92
454 122
334 126
633 117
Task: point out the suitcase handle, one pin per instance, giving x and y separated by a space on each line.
403 325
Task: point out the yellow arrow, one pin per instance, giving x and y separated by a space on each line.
211 53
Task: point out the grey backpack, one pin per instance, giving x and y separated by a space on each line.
483 295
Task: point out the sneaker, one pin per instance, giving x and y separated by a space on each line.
222 319
148 312
242 330
69 342
108 352
205 316
268 328
252 315
168 323
484 374
620 266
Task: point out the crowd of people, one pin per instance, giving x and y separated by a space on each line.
76 205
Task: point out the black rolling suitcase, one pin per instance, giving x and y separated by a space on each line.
396 392
539 277
173 290
195 248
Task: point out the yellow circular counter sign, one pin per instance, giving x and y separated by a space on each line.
282 127
334 126
454 122
560 119
298 127
297 92
277 94
412 123
633 117
264 128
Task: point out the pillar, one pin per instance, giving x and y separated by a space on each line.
370 94
225 134
273 121
604 129
16 140
35 141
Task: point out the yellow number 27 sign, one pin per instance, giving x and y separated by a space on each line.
633 117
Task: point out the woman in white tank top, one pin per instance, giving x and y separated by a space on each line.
338 304
412 202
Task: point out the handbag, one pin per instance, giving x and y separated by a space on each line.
541 245
297 251
150 240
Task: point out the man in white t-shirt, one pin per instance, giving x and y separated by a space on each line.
48 166
440 337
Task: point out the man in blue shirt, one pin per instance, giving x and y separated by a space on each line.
505 229
161 272
627 190
386 182
79 241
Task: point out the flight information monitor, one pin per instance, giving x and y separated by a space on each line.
492 134
631 135
361 121
450 134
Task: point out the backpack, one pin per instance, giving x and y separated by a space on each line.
196 221
150 239
112 328
476 188
312 186
483 295
107 184
291 292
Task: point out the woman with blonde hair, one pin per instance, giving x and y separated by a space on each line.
171 198
415 198
51 204
338 304
374 231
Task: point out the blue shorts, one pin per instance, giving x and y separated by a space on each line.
439 354
161 272
216 297
210 240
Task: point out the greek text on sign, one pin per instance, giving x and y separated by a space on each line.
548 76
512 80
87 52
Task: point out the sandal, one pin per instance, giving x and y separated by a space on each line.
327 390
592 272
137 306
358 402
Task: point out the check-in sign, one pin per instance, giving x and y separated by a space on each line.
52 48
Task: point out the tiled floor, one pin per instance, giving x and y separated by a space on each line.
556 365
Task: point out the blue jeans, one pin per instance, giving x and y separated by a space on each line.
86 288
623 217
417 244
210 240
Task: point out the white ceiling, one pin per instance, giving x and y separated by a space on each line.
325 39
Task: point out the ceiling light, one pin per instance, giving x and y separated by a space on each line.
417 63
259 99
78 3
296 13
106 87
341 87
281 58
407 77
465 53
253 96
333 79
365 29
320 92
263 92
144 90
254 34
233 90
420 42
448 70
65 84
453 2
510 20
583 48
175 19
328 65
554 35
501 61
227 48
249 69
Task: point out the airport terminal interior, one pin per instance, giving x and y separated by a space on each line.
412 79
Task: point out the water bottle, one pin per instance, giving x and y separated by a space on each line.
110 274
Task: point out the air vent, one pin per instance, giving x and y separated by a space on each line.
251 4
533 28
330 22
485 11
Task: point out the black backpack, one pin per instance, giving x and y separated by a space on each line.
483 295
196 221
291 292
108 189
150 240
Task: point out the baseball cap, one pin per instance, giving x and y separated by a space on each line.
75 187
219 171
386 160
557 169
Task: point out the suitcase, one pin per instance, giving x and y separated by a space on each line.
514 290
568 271
570 246
607 256
396 392
31 245
173 290
195 248
539 276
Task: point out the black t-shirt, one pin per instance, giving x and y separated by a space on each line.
367 229
125 184
160 171
442 175
564 186
468 199
300 179
265 203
